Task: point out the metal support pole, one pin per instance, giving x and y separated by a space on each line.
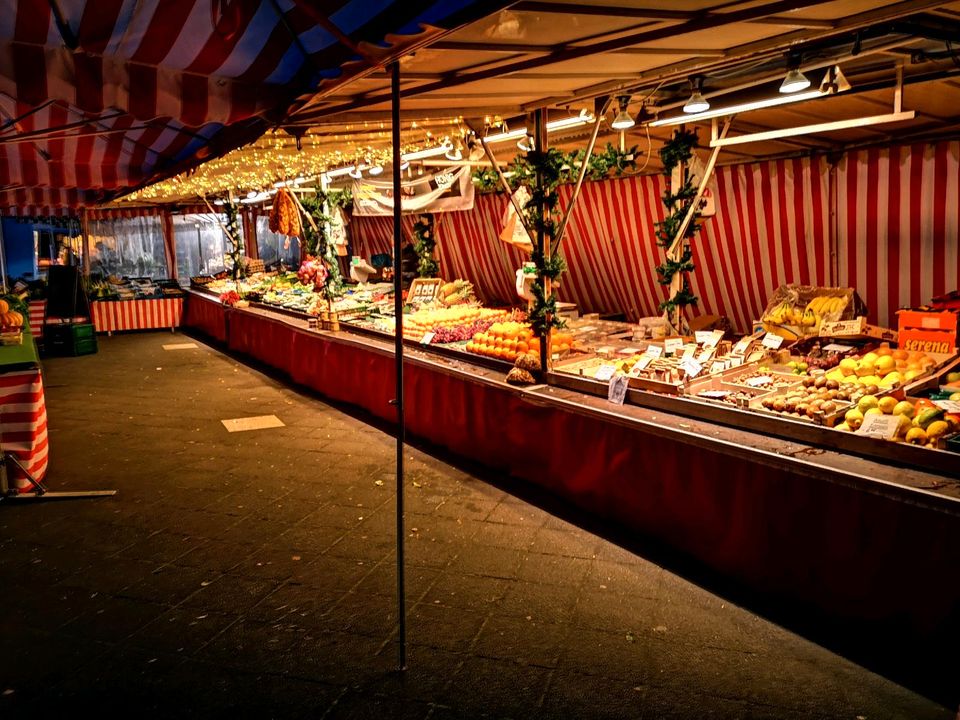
398 347
580 176
504 185
3 260
85 240
540 139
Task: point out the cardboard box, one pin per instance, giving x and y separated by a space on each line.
856 328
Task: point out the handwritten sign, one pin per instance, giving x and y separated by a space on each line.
423 290
951 406
688 352
708 338
671 345
741 347
617 391
880 426
653 351
691 367
772 341
718 366
427 338
705 355
605 372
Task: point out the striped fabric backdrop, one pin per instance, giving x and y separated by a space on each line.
23 424
136 314
896 239
899 224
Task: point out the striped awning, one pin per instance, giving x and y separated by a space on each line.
99 97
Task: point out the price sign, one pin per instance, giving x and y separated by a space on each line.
835 347
427 338
718 366
653 351
423 290
760 381
880 426
629 351
641 365
708 338
735 361
605 372
741 347
951 406
705 355
671 345
617 391
691 367
772 341
604 349
688 352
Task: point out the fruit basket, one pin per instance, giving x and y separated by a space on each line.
816 400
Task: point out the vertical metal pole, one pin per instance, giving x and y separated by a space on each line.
398 345
3 260
85 235
540 140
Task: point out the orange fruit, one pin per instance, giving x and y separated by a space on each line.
522 347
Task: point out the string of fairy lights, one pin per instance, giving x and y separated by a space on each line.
278 157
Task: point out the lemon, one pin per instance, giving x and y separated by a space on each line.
887 404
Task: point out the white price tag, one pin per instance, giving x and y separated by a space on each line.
629 351
705 355
641 365
770 340
735 361
708 338
741 347
671 345
835 347
605 372
691 367
760 381
688 352
653 351
951 406
617 392
718 366
604 349
427 338
880 426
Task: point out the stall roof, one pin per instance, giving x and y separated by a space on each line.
566 53
97 97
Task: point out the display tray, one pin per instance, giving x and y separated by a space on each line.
776 425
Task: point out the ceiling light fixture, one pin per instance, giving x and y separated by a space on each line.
795 81
623 120
697 102
527 143
454 153
341 171
355 172
833 82
376 169
562 124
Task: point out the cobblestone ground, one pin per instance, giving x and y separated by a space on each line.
251 574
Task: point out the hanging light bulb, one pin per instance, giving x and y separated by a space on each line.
795 80
623 120
527 143
697 102
454 153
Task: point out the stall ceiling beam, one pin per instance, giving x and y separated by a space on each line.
851 124
529 49
651 13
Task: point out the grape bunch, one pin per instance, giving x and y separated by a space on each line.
460 333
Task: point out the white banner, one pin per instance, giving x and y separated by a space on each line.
444 190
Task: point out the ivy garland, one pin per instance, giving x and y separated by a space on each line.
677 150
425 242
601 165
316 242
235 237
543 173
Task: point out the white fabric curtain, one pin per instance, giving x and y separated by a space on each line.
128 247
272 246
201 244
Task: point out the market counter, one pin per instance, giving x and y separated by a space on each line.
23 413
862 546
148 314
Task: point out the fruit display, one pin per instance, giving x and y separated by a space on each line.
813 398
10 319
505 341
883 367
921 422
457 292
417 324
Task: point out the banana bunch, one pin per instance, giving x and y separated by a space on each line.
826 306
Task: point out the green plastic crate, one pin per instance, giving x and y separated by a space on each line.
71 339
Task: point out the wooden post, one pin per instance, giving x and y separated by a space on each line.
540 140
85 241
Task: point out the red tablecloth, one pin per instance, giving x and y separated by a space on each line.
23 424
208 315
38 311
136 314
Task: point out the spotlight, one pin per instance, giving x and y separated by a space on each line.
526 143
697 102
454 153
623 120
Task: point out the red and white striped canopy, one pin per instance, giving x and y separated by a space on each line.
97 97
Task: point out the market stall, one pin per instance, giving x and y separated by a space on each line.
23 414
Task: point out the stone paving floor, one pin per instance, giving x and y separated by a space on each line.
252 574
